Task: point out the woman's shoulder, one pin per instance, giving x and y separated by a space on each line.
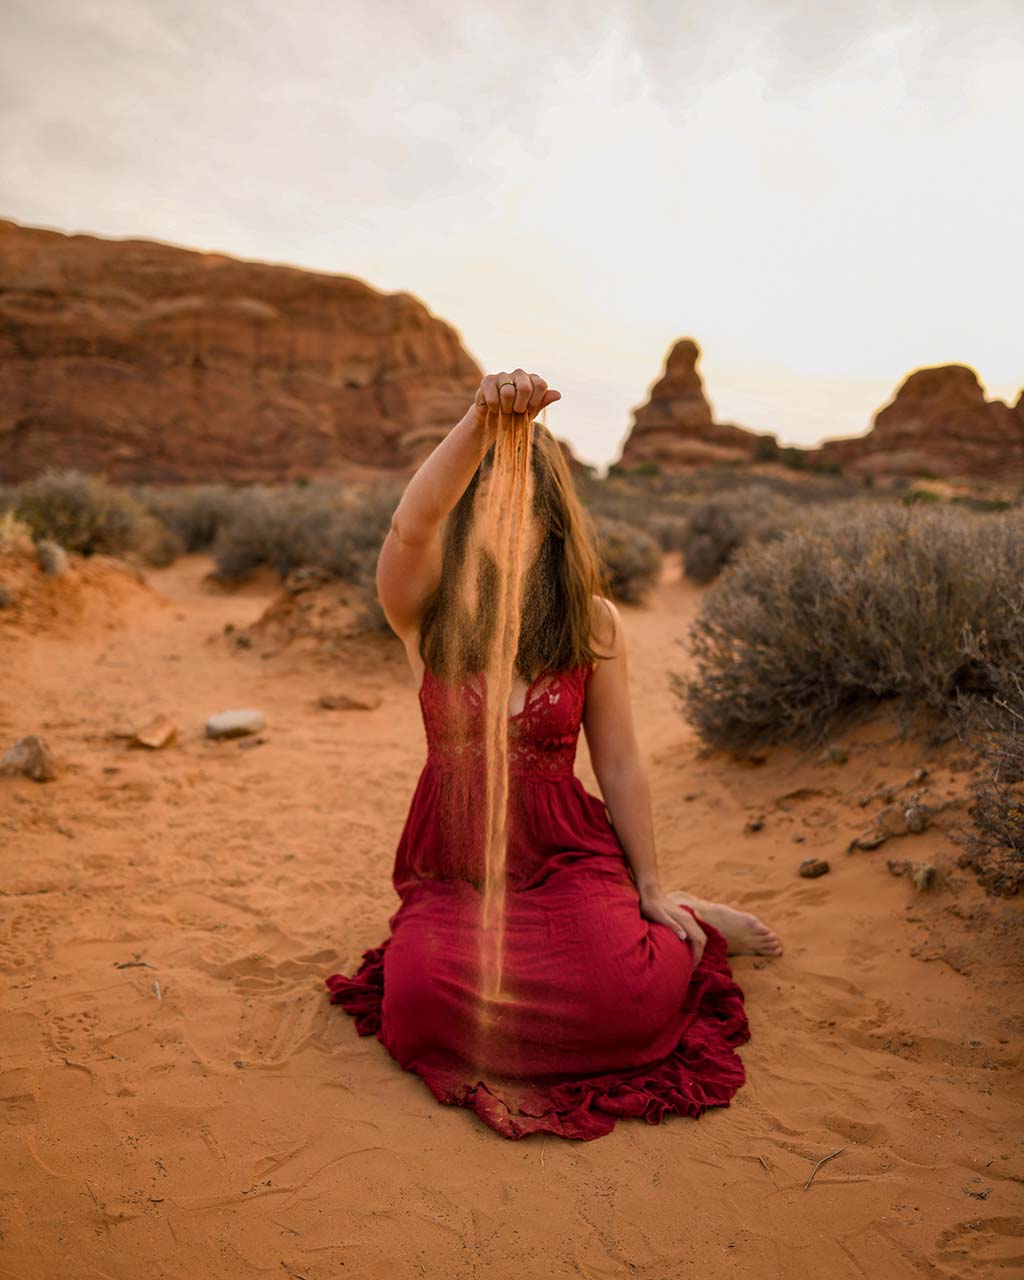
605 622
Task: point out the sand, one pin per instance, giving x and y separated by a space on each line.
180 1099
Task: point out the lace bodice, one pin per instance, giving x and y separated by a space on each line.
542 737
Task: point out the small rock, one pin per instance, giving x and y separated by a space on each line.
52 558
880 793
31 757
811 868
157 733
235 724
892 820
243 641
922 875
345 702
834 755
754 824
982 1193
305 578
867 840
917 818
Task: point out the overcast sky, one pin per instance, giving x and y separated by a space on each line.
824 196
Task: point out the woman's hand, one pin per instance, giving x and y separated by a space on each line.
526 393
656 906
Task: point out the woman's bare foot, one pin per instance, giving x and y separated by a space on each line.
745 933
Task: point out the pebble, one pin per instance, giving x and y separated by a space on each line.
235 724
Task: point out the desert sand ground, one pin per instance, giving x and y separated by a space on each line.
181 1100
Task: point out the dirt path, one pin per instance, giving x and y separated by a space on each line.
181 1100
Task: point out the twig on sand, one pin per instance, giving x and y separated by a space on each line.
768 1170
831 1156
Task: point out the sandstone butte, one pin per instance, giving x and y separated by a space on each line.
147 362
939 423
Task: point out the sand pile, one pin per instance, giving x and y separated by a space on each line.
45 589
313 612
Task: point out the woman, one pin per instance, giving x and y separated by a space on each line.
620 999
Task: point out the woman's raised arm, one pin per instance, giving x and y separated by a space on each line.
409 565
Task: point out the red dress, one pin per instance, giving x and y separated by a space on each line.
609 1017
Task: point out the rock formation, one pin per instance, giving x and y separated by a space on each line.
675 429
939 423
150 362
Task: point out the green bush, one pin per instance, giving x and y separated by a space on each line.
83 513
880 603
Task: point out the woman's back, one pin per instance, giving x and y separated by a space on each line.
542 737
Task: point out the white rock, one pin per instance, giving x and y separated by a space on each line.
235 724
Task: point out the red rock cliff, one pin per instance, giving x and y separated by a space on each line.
150 362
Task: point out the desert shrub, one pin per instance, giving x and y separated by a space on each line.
765 449
720 526
317 524
978 502
994 728
160 545
882 603
353 545
630 557
83 513
669 531
280 528
15 535
196 513
360 525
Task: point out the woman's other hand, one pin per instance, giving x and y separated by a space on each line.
663 910
522 393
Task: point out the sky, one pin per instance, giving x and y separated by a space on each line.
824 196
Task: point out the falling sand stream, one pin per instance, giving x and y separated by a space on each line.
500 526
